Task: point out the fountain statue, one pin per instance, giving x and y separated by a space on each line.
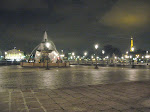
46 49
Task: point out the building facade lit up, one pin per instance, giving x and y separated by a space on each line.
14 55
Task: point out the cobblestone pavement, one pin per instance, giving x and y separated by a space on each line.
118 97
16 77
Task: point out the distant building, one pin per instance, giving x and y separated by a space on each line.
14 55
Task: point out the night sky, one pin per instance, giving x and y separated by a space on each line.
74 25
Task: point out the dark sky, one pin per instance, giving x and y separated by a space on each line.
74 25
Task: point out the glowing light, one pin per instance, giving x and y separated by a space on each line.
55 53
103 52
147 56
132 49
137 55
107 57
5 52
96 46
47 44
73 53
85 53
126 56
146 52
62 55
38 54
130 56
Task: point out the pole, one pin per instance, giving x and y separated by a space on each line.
103 59
96 67
147 57
133 64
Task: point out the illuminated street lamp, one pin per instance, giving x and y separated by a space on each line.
130 56
96 47
146 52
103 52
127 57
85 53
137 56
78 57
5 53
147 56
107 57
73 53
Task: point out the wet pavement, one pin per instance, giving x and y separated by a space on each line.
74 89
16 77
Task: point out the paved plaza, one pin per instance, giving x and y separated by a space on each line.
119 97
75 89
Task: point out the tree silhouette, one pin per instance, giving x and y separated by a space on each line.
109 50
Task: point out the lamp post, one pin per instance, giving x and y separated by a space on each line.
147 56
47 51
107 59
78 57
126 56
103 52
92 59
73 55
96 47
85 54
132 61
